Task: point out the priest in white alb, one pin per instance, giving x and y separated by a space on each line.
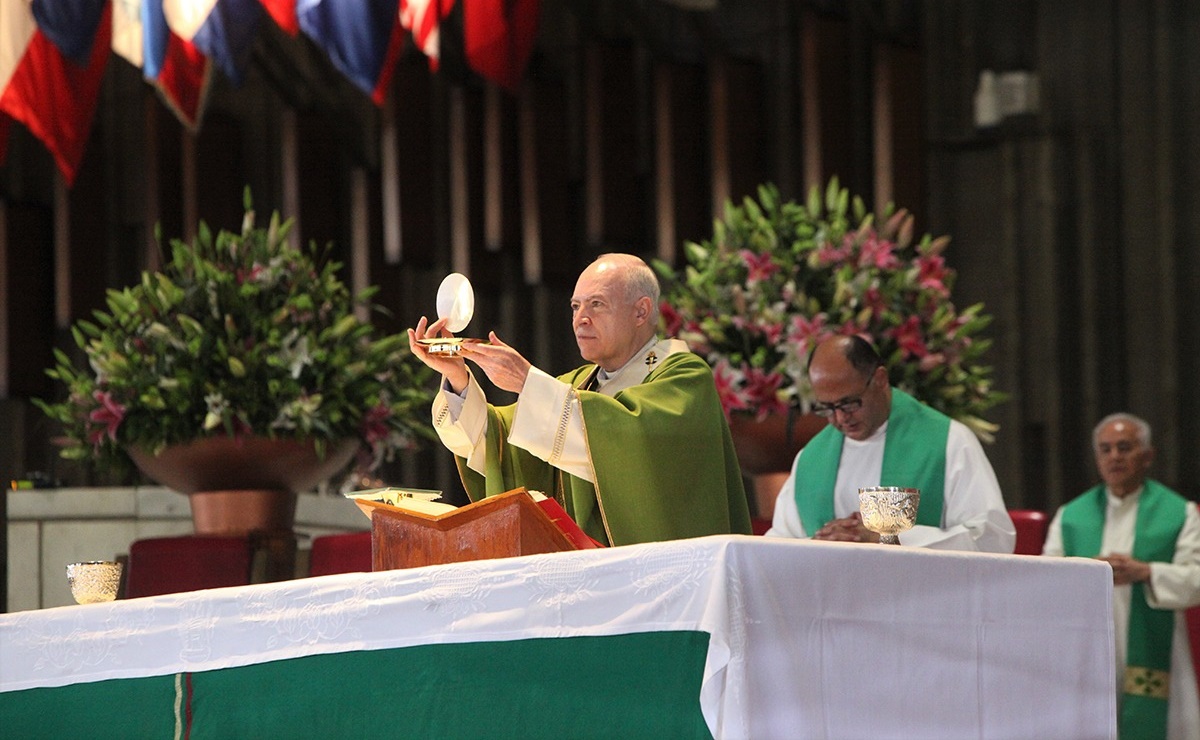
1150 535
881 436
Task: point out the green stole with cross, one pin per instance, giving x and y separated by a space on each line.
914 456
1147 681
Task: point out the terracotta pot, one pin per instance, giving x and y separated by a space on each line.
247 487
237 486
243 463
766 449
770 445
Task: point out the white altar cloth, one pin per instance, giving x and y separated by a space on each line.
807 639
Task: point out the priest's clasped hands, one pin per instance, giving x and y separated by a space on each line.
503 365
848 529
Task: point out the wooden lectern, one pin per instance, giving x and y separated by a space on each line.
501 526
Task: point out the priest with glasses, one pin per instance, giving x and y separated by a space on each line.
881 436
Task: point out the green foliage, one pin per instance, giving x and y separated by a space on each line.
778 277
239 334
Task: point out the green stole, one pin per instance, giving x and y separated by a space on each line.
914 456
1147 681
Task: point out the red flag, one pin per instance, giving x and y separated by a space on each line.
54 97
498 37
283 12
183 79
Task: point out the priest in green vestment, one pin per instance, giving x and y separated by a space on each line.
1150 535
881 436
634 444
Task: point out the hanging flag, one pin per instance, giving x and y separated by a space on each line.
498 37
283 12
175 67
223 30
361 37
423 18
52 57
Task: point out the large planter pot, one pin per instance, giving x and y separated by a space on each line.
770 445
766 449
247 486
240 485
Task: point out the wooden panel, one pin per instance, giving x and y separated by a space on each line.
747 144
558 209
92 267
831 51
220 172
906 159
690 132
623 196
167 181
323 192
418 148
502 526
29 275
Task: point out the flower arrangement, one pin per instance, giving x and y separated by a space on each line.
778 277
240 334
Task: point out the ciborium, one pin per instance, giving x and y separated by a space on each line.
888 511
94 581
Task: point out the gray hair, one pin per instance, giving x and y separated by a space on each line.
1139 425
637 279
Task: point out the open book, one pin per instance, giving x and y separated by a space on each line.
409 499
422 502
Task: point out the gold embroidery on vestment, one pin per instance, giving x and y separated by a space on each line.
1151 682
560 435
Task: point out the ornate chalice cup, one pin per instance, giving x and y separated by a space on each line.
94 581
888 511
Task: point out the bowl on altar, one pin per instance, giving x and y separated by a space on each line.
94 581
888 510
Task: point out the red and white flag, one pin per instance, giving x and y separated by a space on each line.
422 18
178 70
52 57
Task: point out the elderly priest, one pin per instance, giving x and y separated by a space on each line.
634 445
1150 536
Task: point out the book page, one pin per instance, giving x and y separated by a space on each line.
410 499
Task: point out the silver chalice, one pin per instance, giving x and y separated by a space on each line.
888 511
94 581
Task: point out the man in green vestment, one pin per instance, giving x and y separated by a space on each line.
1150 535
880 436
634 445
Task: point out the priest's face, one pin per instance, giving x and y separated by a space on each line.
608 325
856 404
1122 457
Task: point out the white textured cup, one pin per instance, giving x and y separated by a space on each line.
94 581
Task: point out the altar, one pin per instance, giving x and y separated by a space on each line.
726 637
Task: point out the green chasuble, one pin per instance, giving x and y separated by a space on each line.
661 451
1160 517
914 456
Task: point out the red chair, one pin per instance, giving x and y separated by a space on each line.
759 525
1032 526
340 553
1193 626
167 565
